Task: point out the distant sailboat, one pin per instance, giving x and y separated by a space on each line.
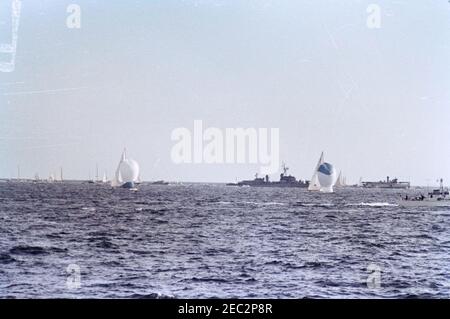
324 177
314 184
105 178
360 183
51 178
90 180
340 182
127 172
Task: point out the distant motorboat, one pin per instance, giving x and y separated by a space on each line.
159 183
426 202
436 198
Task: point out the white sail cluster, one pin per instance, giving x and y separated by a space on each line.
105 178
323 178
127 171
341 181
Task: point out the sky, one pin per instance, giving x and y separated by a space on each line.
375 100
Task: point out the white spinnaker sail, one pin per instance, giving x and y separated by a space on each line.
314 184
104 179
127 171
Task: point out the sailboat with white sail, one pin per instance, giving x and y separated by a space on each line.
127 172
340 181
105 178
97 179
314 184
324 177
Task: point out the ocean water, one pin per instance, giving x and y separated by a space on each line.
202 241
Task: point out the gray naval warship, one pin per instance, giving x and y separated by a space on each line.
388 183
285 181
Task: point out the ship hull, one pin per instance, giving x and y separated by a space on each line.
425 203
128 185
273 184
387 185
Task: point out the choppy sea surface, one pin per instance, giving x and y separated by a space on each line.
202 241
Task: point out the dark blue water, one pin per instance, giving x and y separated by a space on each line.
191 241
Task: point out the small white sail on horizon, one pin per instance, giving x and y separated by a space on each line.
340 180
117 180
360 183
97 178
314 184
105 178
